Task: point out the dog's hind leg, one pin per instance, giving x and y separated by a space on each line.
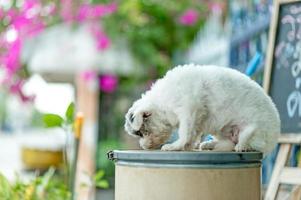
217 145
224 145
208 145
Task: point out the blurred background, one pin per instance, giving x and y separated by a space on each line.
102 55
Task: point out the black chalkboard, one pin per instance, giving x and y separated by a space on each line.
285 76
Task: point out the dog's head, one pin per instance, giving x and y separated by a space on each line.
148 123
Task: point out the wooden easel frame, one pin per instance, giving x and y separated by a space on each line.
281 173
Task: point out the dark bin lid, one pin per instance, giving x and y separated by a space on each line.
184 157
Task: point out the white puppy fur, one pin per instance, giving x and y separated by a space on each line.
205 99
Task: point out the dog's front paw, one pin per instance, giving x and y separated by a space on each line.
242 148
172 147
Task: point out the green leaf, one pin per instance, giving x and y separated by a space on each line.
45 179
99 175
52 120
70 113
102 184
5 189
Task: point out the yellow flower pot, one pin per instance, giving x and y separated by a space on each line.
41 159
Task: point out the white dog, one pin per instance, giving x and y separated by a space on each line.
205 99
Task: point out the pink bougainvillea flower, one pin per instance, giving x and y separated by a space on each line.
12 58
189 17
35 28
27 21
2 13
26 98
16 88
102 10
98 11
23 23
29 4
102 40
88 75
108 83
31 8
11 14
66 11
20 21
27 26
112 7
83 12
89 12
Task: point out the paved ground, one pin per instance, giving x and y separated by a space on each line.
105 194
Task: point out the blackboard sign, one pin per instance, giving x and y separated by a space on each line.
283 68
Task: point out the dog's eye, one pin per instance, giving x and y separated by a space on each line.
132 117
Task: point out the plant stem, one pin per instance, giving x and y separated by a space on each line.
66 166
73 170
66 161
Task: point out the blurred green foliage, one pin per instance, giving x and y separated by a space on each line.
47 186
97 180
152 29
102 162
2 108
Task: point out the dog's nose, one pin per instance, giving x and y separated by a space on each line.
138 133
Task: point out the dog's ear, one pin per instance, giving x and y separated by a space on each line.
138 118
146 114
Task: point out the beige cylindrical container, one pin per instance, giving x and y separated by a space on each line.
157 175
